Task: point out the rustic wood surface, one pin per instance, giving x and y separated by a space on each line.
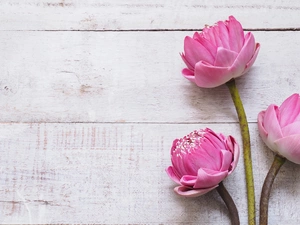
91 98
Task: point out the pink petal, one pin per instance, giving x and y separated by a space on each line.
188 180
215 139
289 110
244 56
260 122
194 161
188 74
206 43
289 147
272 127
224 36
271 123
232 144
236 34
209 149
227 158
178 165
177 161
252 60
225 57
187 63
216 33
195 51
206 157
173 175
291 129
208 76
173 146
208 178
208 34
188 192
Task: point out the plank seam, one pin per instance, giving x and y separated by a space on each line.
127 123
159 30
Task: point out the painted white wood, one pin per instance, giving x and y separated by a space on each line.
131 77
88 118
143 14
114 174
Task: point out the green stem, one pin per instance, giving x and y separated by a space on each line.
247 151
233 212
266 189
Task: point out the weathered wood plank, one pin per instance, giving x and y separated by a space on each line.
130 77
143 14
114 174
112 171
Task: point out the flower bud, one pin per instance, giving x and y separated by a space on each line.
218 53
201 160
279 127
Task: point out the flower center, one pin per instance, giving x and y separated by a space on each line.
187 144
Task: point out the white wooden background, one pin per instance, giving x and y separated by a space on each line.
91 98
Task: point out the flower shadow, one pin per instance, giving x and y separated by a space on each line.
209 104
202 210
215 104
285 190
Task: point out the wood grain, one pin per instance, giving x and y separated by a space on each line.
100 77
144 14
91 98
131 77
114 174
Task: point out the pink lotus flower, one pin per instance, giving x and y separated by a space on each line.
279 128
201 160
218 54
